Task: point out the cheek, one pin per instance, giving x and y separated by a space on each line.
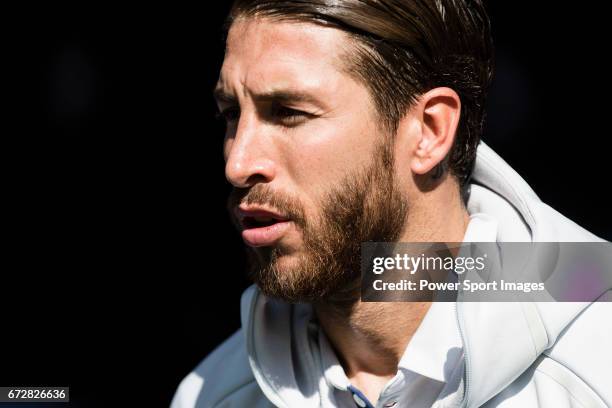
325 154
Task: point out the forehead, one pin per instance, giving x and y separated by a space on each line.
262 53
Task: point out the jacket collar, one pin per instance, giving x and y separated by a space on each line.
502 339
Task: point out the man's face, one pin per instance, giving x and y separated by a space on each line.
311 168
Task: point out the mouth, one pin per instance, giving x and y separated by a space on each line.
262 227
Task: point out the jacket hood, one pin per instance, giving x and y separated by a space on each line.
501 339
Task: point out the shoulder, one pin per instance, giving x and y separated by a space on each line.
574 371
584 348
225 374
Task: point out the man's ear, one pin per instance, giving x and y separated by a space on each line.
439 111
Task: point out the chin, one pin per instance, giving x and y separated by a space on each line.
288 260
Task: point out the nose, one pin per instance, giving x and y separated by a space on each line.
248 158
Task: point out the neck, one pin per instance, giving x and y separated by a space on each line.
370 337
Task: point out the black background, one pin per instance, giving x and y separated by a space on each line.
121 271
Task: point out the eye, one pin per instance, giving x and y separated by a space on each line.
287 116
228 114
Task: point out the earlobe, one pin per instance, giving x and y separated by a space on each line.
423 160
422 157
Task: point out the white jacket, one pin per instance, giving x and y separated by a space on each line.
545 354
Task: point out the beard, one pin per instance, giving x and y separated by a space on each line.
366 206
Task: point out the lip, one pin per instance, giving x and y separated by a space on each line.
258 236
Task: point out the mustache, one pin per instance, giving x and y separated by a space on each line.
264 195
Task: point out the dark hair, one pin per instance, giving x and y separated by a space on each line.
403 48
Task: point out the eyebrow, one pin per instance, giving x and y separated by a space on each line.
280 95
221 96
285 96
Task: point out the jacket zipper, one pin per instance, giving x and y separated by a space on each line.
466 358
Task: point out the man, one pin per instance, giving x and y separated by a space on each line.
355 121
